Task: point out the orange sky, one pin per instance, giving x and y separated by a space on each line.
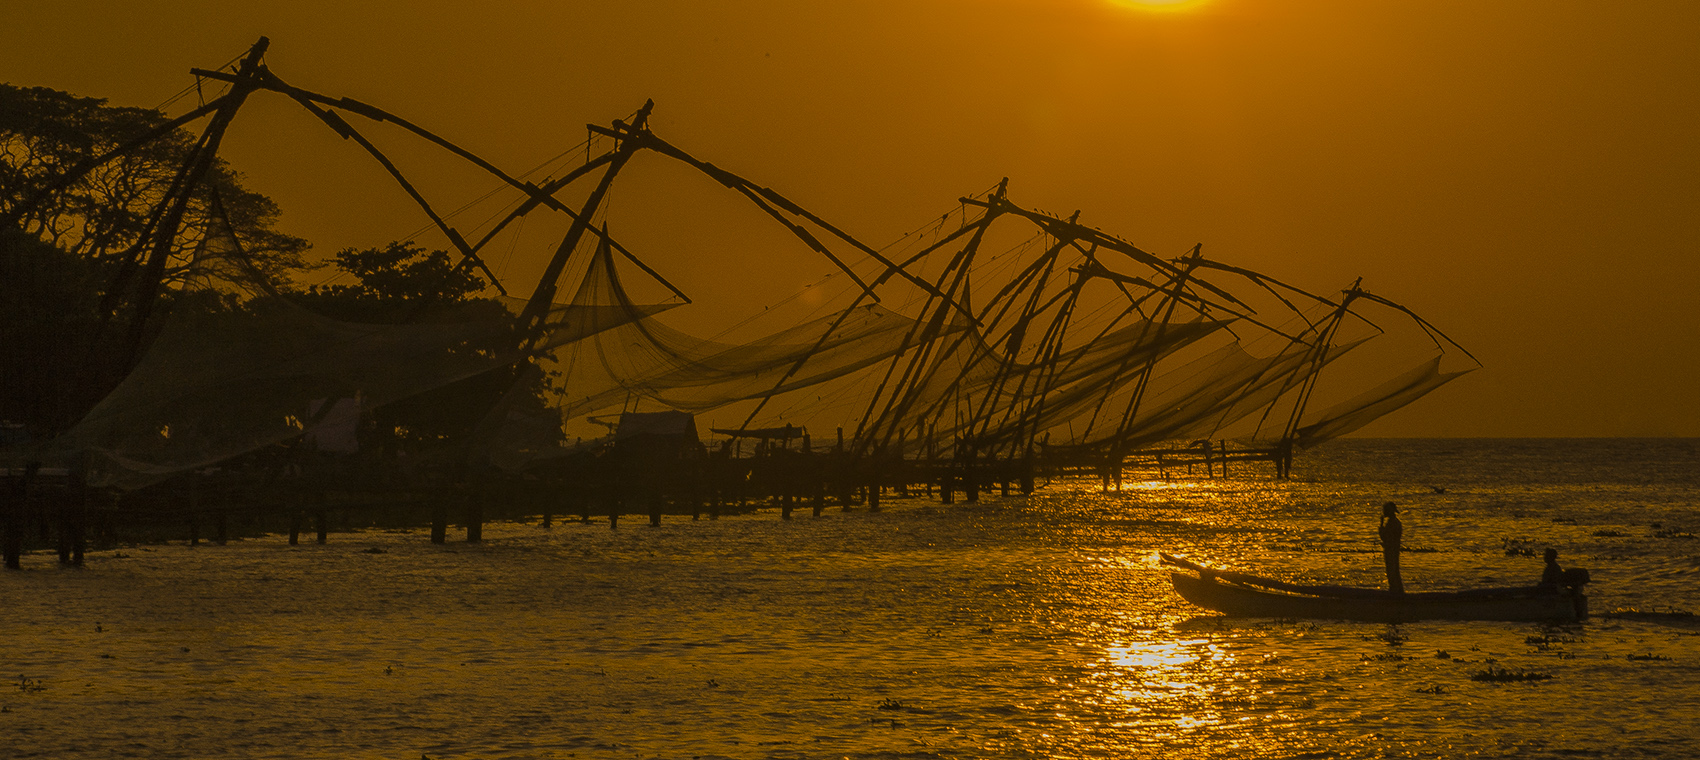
1524 173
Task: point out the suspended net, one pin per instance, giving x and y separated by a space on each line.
642 358
1366 407
238 367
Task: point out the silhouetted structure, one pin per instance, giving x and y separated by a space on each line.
1069 350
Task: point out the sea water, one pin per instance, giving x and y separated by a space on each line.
1013 627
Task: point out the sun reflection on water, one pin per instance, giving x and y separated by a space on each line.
1145 673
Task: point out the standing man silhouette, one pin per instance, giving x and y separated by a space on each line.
1392 531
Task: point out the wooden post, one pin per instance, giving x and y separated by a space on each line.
194 509
697 480
439 520
932 464
79 524
902 477
67 517
12 517
474 518
295 529
970 474
840 469
63 518
842 481
322 522
77 506
1027 473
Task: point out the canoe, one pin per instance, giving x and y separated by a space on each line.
1241 595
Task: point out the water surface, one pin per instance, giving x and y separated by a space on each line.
1010 628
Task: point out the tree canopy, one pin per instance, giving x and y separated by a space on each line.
403 282
45 133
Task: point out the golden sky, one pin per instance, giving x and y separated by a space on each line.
1524 173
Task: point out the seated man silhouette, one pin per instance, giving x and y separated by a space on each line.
1553 574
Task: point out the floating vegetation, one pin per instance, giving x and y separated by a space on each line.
1608 533
29 685
1655 613
1648 657
1507 675
1672 533
1564 520
1392 638
890 704
1431 689
1517 547
1388 657
1546 643
1441 654
1548 639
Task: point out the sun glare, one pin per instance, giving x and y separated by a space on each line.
1160 6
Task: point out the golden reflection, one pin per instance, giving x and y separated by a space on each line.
1164 485
1153 655
1160 6
1148 673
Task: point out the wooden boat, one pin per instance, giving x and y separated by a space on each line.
1243 595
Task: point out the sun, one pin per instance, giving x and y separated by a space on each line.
1160 6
